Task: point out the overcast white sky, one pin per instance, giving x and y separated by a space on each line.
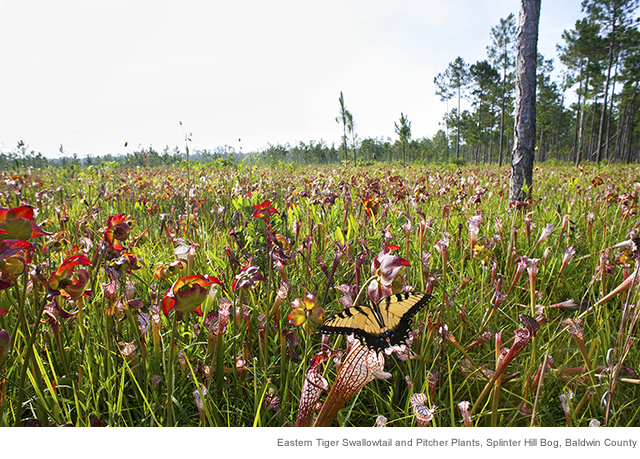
91 75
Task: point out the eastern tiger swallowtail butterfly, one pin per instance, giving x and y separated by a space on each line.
381 325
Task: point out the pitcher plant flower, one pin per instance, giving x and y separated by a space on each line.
264 211
370 206
306 310
247 278
385 272
187 294
70 279
126 262
117 231
11 247
77 287
15 255
164 272
17 223
56 243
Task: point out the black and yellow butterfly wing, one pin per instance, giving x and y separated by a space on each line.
381 325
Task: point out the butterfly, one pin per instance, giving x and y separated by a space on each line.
379 325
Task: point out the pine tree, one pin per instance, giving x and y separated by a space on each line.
501 53
343 118
614 16
525 131
404 132
485 79
455 79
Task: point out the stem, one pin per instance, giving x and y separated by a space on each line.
539 389
363 289
495 402
169 372
219 363
27 362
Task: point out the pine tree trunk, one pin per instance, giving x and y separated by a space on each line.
491 137
540 146
606 89
559 130
458 128
575 157
579 151
504 82
592 135
404 156
625 130
525 113
607 137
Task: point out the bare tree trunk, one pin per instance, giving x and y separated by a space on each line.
607 149
525 113
592 136
575 157
579 152
504 83
606 87
491 136
458 128
540 146
625 129
559 130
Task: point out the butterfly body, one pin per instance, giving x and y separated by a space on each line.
379 325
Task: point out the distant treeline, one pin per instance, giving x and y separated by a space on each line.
143 157
369 151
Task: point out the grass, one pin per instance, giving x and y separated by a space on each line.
107 357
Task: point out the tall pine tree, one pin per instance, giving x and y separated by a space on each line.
525 129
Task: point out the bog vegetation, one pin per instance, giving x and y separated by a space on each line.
191 296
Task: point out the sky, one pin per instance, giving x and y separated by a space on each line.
93 75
